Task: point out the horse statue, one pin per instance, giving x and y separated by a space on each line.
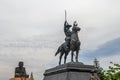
75 42
71 43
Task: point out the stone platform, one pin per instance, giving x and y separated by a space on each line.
70 71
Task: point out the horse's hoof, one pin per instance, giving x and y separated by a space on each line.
59 63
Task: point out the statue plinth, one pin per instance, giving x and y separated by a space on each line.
70 71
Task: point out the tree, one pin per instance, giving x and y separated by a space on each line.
113 73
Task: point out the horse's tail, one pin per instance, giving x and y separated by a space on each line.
59 49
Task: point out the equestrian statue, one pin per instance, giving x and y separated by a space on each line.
72 42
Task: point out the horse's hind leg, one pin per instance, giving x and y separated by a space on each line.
65 57
61 54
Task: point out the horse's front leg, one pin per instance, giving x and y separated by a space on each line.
61 54
72 56
76 57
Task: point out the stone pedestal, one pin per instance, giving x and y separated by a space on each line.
70 71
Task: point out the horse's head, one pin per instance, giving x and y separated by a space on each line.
75 27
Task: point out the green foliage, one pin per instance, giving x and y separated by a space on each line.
113 73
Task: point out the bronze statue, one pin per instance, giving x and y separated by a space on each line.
20 71
71 43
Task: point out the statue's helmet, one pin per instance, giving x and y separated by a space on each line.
69 26
21 64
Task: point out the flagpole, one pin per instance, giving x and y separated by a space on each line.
65 16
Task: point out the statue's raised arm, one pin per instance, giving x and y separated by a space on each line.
67 27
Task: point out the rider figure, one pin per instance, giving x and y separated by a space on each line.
67 33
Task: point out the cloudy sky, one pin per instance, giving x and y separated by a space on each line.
32 30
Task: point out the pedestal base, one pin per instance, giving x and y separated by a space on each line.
70 71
